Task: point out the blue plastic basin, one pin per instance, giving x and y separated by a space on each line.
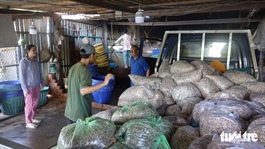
104 94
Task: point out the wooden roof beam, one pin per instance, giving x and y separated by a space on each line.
190 22
199 9
101 3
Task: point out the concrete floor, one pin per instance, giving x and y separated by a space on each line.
14 134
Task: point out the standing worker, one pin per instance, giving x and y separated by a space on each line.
139 65
79 85
31 83
125 48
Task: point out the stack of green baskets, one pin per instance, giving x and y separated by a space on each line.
12 98
43 99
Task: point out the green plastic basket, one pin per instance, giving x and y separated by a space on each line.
43 96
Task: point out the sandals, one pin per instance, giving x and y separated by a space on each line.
31 125
36 121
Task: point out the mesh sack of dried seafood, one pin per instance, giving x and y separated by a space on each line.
118 145
215 122
201 142
164 69
138 109
258 126
220 81
240 144
151 132
254 86
155 97
134 93
140 80
181 66
183 137
204 67
167 85
106 114
238 77
94 132
183 91
241 108
258 97
206 87
187 77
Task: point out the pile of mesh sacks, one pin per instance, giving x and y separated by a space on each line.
121 128
183 106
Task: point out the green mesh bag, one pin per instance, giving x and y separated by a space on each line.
94 132
139 109
151 132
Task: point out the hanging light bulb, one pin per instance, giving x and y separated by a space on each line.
139 16
32 29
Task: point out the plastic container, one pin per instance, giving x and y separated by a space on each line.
104 94
155 52
12 106
93 69
43 96
10 84
52 68
12 98
11 92
113 65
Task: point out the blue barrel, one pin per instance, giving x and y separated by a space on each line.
12 98
93 69
104 94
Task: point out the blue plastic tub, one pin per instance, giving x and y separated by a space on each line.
9 84
11 92
93 69
12 106
104 94
43 99
12 98
10 89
